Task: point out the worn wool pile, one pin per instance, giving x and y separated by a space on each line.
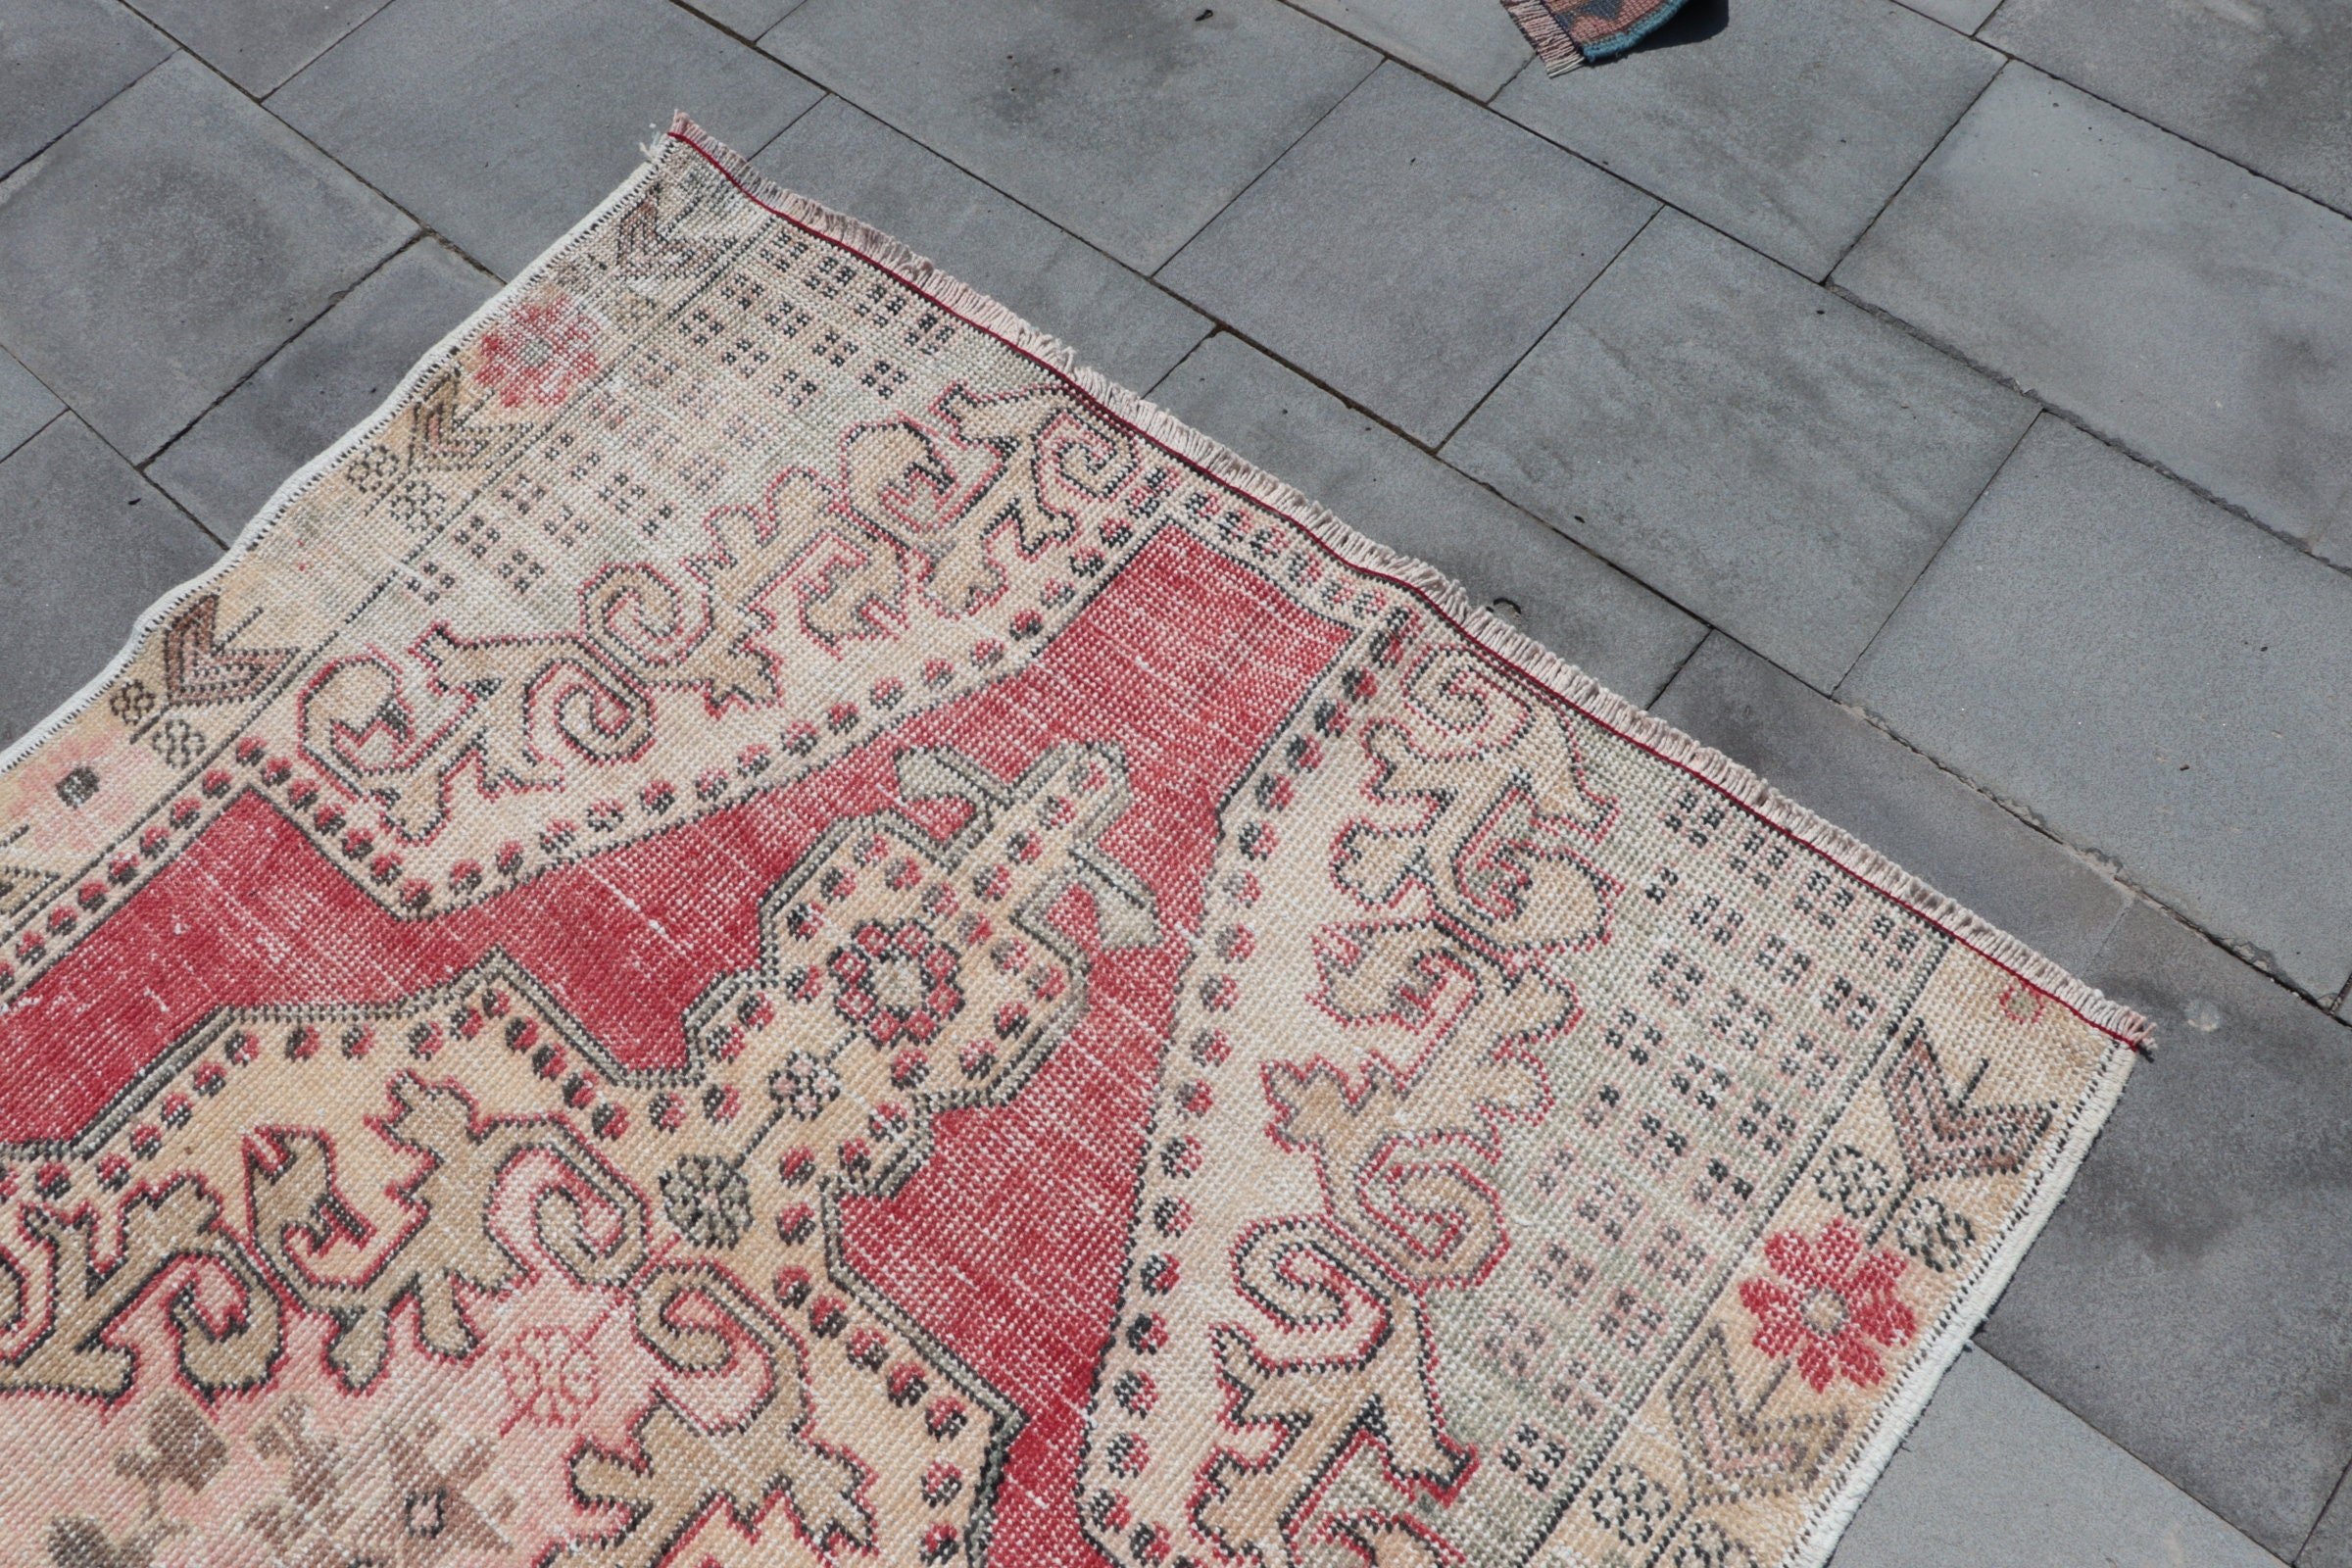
762 924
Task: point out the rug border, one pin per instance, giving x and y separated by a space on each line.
159 614
1522 655
1525 657
1901 1409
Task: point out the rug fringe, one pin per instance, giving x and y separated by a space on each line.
1529 657
1551 42
259 527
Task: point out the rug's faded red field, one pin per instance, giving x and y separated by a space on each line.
763 925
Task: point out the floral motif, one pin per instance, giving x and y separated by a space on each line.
1852 1180
551 1376
539 351
804 1085
1934 1233
708 1200
181 1448
398 1497
1705 1545
1831 1309
896 980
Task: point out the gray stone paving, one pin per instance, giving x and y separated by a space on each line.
2267 93
129 252
2152 678
326 380
1468 44
1134 332
1961 16
2331 1544
1997 1476
1774 458
1296 261
85 545
1726 134
2189 1295
1131 124
1920 543
61 59
2168 298
502 124
259 43
24 404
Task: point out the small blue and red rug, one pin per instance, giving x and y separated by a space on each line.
1568 33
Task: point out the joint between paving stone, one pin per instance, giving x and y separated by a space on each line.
2080 422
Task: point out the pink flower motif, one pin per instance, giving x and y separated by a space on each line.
1831 1304
550 1377
539 351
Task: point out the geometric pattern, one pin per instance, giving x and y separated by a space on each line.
761 924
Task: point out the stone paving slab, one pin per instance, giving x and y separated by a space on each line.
2188 1296
747 19
258 43
86 545
502 124
1380 484
2167 298
1471 44
1929 822
1999 1475
1962 15
2330 1543
2263 83
1771 459
1129 327
1788 129
168 244
1129 124
24 404
61 59
319 386
1415 301
1707 428
2155 680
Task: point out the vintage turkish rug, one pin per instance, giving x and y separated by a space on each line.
1568 33
763 925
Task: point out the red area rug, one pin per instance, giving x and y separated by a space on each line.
763 924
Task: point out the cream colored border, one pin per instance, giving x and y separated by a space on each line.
1896 1413
250 537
